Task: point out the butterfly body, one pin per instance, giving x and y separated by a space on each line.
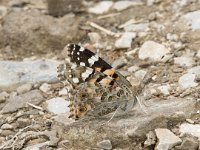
94 87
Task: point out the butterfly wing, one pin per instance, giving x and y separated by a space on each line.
92 83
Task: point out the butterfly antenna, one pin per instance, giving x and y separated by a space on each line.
142 105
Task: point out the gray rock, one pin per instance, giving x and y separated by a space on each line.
24 88
137 27
191 129
17 102
189 143
164 89
184 61
46 88
94 37
101 7
121 5
194 70
125 40
153 51
15 73
192 19
105 144
58 105
27 32
166 139
151 139
187 81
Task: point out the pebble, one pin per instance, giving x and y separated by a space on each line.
63 92
192 19
118 63
3 11
6 127
121 5
24 88
164 89
197 78
166 139
3 96
20 101
187 81
94 37
46 88
15 73
101 7
184 61
151 139
37 146
194 70
57 105
125 40
105 144
189 143
190 121
192 129
140 74
7 133
153 51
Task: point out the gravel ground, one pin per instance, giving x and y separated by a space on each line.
155 44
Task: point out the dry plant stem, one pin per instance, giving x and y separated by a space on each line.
108 16
108 32
34 106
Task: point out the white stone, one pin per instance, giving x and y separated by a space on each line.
164 89
24 88
15 72
101 7
6 127
63 92
153 51
58 105
133 68
187 81
184 61
45 87
150 2
125 40
194 70
140 74
37 146
192 18
166 139
121 5
105 144
192 129
136 27
3 96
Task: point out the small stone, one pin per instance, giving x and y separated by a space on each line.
7 133
172 37
191 129
118 63
24 88
189 143
187 81
6 127
190 121
58 105
164 89
3 11
94 37
194 70
101 7
37 146
121 5
63 92
153 51
140 74
150 2
166 139
184 61
105 144
3 96
45 87
125 40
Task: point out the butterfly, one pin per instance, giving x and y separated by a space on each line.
94 87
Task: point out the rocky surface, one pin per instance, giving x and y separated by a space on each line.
154 44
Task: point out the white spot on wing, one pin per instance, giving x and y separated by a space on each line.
87 73
81 49
78 53
82 64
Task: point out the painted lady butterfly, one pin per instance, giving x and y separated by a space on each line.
94 87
